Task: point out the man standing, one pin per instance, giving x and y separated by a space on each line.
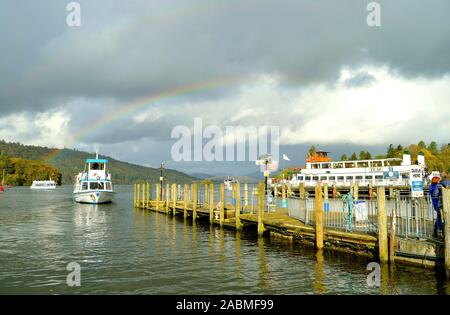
436 197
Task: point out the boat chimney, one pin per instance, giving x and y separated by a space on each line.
406 158
421 158
96 154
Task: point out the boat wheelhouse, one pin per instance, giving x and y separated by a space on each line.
375 172
94 184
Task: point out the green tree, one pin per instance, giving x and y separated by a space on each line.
368 155
353 157
432 147
312 151
344 157
362 155
422 144
390 151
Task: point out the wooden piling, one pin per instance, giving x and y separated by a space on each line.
194 201
245 195
356 192
134 194
148 196
143 194
302 190
392 238
185 203
289 190
382 225
370 192
206 201
319 217
158 197
178 192
167 197
222 205
275 190
446 219
174 199
138 194
260 208
237 195
334 191
211 203
283 191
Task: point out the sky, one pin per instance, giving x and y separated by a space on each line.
134 70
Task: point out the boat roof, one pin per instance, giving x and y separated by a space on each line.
96 161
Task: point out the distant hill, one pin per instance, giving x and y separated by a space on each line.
70 162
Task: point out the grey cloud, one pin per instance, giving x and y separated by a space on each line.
360 79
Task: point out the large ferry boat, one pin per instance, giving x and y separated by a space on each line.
43 184
320 168
93 185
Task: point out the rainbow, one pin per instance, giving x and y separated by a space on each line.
129 108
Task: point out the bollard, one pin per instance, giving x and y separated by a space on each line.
185 204
261 209
382 225
211 203
238 206
194 201
319 217
174 199
222 204
446 219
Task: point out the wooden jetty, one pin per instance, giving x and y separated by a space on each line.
184 201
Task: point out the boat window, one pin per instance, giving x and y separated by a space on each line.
315 177
377 163
369 177
300 177
363 164
323 178
359 177
84 186
405 175
97 185
332 178
393 163
97 166
340 177
314 165
379 177
338 165
308 178
108 186
349 164
326 165
350 177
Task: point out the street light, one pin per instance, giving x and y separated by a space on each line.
161 178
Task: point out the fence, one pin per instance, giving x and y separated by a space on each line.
413 217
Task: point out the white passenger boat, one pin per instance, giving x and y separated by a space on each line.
43 184
376 172
93 185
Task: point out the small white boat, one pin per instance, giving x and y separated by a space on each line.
93 185
43 184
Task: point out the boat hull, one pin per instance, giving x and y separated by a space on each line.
93 197
42 188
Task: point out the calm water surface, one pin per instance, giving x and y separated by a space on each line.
122 250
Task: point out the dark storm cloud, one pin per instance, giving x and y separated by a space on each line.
126 51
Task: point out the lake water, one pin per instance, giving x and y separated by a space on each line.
122 250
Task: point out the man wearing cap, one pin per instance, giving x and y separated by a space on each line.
436 197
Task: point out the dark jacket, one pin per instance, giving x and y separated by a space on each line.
436 195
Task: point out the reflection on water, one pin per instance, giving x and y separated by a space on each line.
126 250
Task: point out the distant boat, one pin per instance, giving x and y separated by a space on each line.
93 185
43 184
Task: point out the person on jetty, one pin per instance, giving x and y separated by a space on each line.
436 197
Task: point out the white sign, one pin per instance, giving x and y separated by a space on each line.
416 183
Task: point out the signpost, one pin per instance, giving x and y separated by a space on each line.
416 183
267 165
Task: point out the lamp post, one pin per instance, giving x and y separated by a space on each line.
161 179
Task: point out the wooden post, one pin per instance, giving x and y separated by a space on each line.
302 190
289 190
334 191
148 196
319 217
167 198
283 191
237 210
138 194
382 225
245 195
261 209
211 203
158 187
275 190
222 204
134 195
446 219
356 191
391 193
143 194
174 199
392 238
178 192
206 201
370 192
194 201
185 204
